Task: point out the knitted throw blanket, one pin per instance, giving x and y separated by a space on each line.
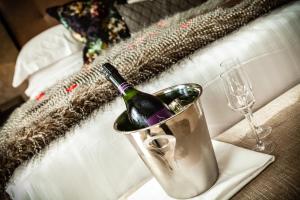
37 123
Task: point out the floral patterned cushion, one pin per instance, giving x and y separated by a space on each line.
96 23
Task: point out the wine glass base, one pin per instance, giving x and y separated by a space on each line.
262 131
267 147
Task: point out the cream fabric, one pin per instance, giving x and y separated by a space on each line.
235 172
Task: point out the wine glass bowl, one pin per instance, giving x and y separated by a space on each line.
238 91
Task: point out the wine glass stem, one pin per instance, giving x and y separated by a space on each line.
249 116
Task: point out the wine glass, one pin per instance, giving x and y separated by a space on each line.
238 90
227 65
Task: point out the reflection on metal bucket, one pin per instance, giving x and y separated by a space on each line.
178 151
161 150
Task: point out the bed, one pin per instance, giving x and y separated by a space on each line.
102 164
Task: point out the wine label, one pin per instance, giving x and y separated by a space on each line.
124 86
159 116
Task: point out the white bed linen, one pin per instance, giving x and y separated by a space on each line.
43 50
50 75
92 162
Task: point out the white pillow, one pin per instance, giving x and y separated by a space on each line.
50 75
43 50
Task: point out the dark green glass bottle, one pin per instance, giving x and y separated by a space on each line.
143 109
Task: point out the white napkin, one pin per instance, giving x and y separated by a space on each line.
237 166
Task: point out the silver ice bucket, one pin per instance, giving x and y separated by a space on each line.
178 151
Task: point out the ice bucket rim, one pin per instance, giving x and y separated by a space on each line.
163 91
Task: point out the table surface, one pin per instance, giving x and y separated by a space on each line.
281 180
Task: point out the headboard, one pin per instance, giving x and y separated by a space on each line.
26 18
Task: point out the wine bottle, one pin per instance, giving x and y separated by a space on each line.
143 109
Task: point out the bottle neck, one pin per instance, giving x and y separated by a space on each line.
126 90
